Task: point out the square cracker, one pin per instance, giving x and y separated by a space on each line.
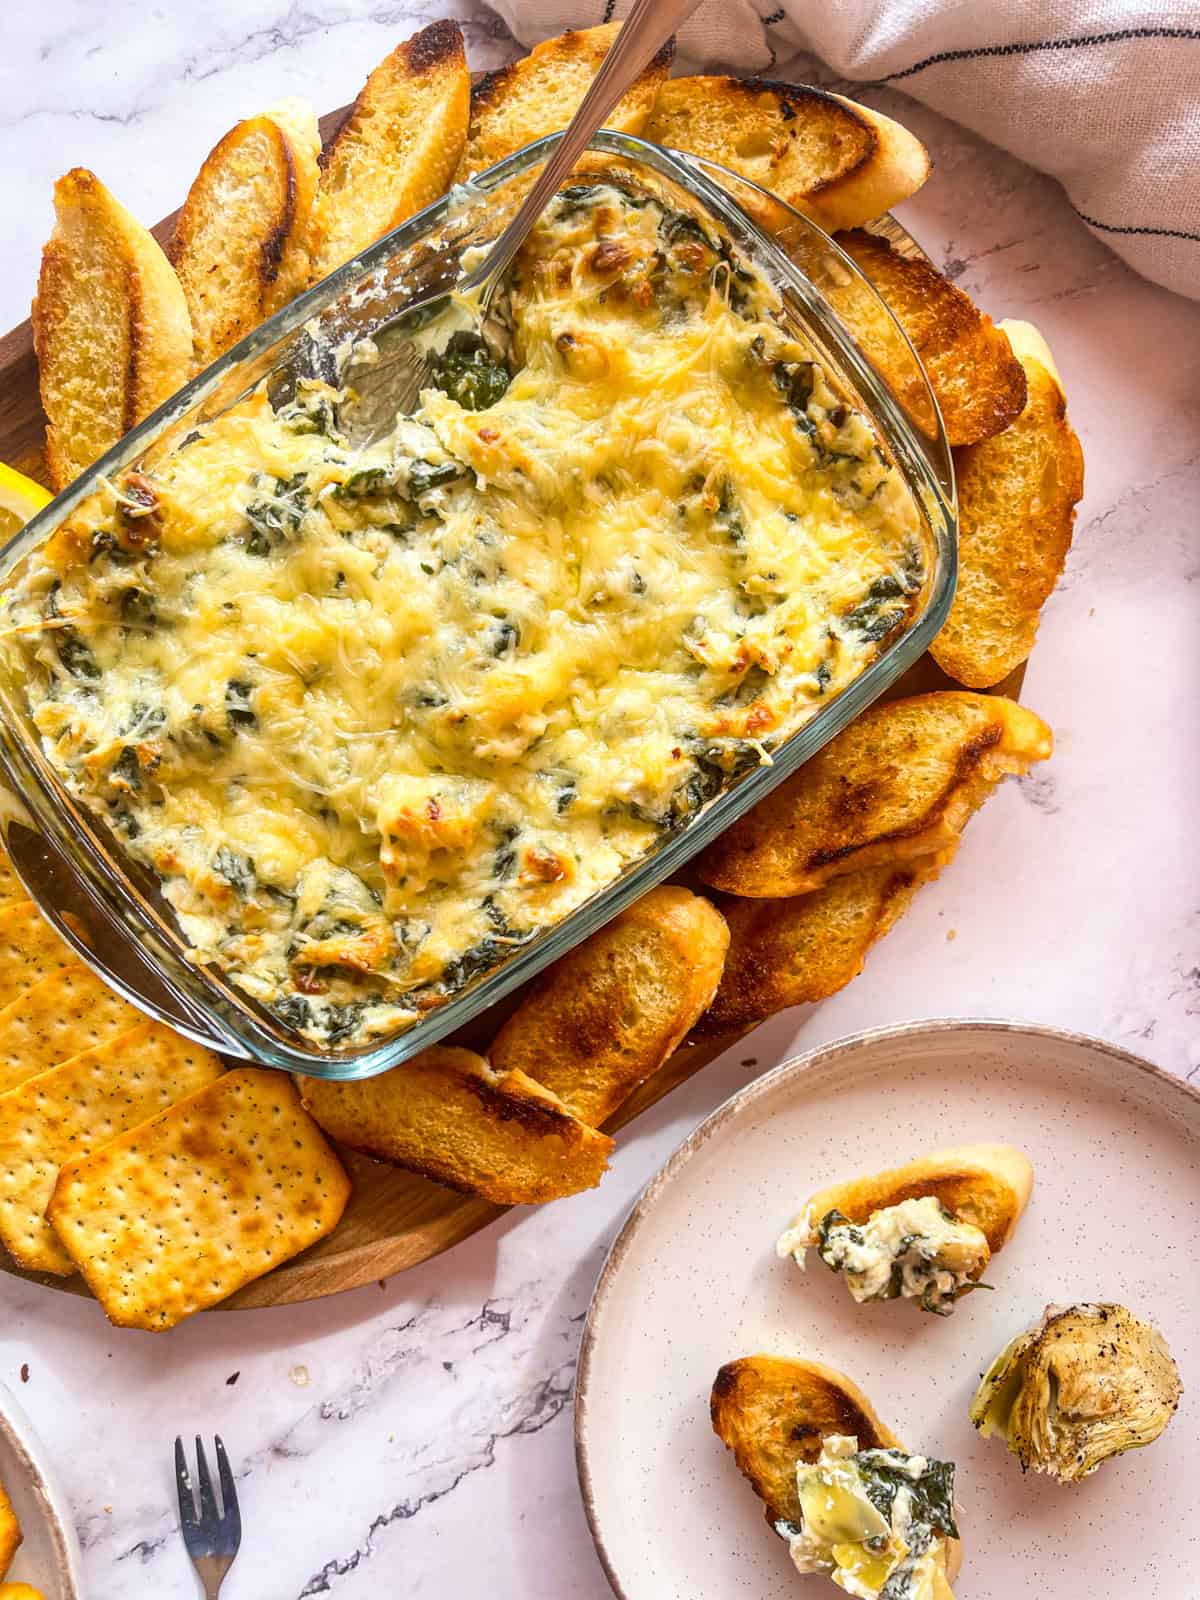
175 1215
11 887
69 1012
63 1114
29 949
10 1532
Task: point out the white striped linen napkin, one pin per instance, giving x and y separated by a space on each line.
1102 94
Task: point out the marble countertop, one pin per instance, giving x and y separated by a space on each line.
415 1437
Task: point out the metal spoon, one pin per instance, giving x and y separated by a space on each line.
389 383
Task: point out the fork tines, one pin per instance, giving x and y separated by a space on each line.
211 1530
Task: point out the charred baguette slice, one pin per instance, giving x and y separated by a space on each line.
240 246
837 161
540 94
802 949
973 371
607 1016
398 147
110 326
898 784
775 1412
1017 495
987 1185
447 1115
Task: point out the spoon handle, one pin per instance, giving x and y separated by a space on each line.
648 27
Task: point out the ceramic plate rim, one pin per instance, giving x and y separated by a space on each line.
794 1067
21 1437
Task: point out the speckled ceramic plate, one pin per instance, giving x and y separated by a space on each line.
49 1554
693 1281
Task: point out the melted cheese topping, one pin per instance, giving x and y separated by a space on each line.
375 717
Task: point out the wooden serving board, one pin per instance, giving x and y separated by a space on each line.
394 1219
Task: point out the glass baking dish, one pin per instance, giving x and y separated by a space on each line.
108 905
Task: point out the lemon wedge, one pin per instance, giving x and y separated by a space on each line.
20 499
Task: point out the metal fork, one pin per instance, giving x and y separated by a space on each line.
212 1537
389 380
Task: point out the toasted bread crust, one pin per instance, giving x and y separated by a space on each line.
110 326
899 166
1017 495
773 1412
446 1115
438 46
607 1016
831 158
800 950
397 149
976 378
240 246
987 1185
899 783
540 93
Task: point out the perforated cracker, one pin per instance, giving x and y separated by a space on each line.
76 1107
179 1213
29 949
11 887
71 1011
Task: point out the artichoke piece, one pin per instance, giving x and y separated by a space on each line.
875 1521
1089 1382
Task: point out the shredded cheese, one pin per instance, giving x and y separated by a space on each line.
376 717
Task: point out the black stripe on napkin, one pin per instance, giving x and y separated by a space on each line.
1113 227
1084 43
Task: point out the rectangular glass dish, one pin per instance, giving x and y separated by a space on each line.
73 862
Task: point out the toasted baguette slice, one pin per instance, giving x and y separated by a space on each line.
1017 495
838 162
797 951
448 1116
397 149
240 246
607 1016
773 1412
901 782
976 378
110 326
987 1185
540 94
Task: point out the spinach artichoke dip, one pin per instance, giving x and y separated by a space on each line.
914 1250
875 1521
376 716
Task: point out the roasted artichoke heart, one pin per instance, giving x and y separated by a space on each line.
1089 1382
